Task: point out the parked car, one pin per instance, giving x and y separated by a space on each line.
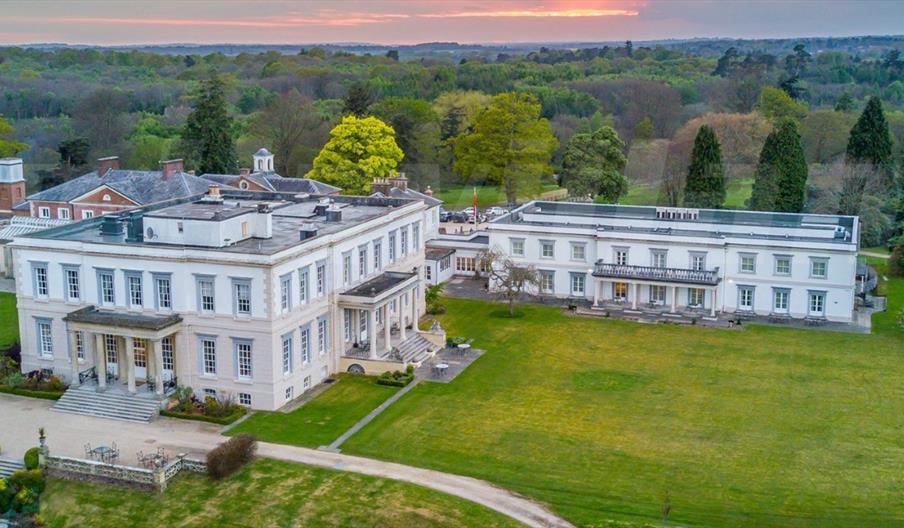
496 211
458 218
467 211
444 215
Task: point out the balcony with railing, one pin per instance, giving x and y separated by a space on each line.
654 274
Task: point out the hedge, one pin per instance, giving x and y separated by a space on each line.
225 420
44 395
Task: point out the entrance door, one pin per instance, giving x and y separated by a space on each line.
140 348
166 347
112 355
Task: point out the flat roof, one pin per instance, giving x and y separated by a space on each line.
91 315
379 284
290 214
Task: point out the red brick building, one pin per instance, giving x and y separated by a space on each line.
12 185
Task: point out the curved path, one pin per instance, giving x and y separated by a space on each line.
68 433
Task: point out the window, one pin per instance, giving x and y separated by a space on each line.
362 324
303 275
428 273
362 261
287 354
180 227
347 267
307 382
577 283
140 351
79 346
134 289
465 264
621 256
782 265
657 294
322 341
819 268
747 263
378 255
347 324
45 337
517 245
106 294
40 279
87 214
547 249
285 293
620 291
112 348
695 297
244 229
445 263
163 289
290 393
745 297
245 399
658 258
205 293
305 345
415 236
816 305
243 359
107 198
547 281
208 356
403 241
579 252
63 213
698 261
44 212
780 297
392 237
210 392
321 278
241 296
166 349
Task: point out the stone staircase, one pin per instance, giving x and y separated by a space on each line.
8 467
415 349
113 405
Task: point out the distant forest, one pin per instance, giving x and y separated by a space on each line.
69 105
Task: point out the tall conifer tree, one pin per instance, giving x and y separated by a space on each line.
781 175
207 137
705 186
870 141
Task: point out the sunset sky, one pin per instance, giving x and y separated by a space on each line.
413 21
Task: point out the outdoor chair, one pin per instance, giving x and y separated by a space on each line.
88 452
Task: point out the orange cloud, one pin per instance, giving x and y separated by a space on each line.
534 13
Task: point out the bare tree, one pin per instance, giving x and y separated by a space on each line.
507 280
286 124
851 182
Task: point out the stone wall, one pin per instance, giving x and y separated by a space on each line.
140 478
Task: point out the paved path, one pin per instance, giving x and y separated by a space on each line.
68 433
7 285
877 255
370 416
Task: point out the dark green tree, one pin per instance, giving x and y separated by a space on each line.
207 139
705 185
357 101
845 103
781 175
870 141
594 164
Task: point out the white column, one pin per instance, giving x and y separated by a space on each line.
372 331
596 292
400 311
130 363
100 361
636 295
674 298
387 327
414 311
712 307
156 352
73 352
356 325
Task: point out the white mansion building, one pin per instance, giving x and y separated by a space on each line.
677 259
259 295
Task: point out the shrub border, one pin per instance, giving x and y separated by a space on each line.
44 395
226 420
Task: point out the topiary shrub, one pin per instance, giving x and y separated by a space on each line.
229 457
31 458
30 479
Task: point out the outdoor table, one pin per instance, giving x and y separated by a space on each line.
441 368
101 452
463 348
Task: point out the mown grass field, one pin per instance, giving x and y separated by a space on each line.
9 319
321 420
736 194
460 196
267 493
604 419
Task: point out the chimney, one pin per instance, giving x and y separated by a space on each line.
170 167
380 185
107 164
400 181
213 192
244 171
429 191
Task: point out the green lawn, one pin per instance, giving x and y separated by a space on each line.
9 320
461 196
321 420
881 250
887 322
603 419
736 194
267 493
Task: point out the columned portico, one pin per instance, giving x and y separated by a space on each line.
621 284
134 341
391 295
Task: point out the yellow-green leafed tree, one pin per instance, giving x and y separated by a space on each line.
358 150
8 146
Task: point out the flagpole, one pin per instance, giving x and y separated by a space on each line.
475 207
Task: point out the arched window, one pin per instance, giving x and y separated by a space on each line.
243 184
107 198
